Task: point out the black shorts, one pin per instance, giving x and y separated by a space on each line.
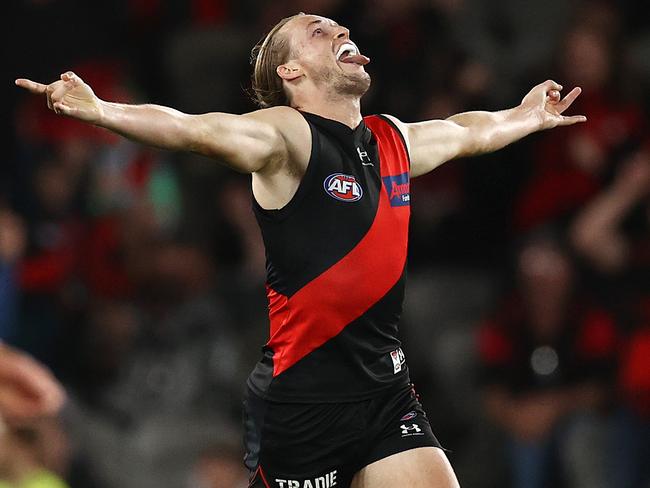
302 445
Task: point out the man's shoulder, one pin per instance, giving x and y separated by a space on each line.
288 121
292 127
278 116
402 127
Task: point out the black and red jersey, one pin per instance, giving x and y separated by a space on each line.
336 264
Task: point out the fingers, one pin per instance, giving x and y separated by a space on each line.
568 100
70 77
59 90
553 96
574 119
551 85
54 92
62 109
32 86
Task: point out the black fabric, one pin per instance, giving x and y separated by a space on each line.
298 238
317 378
305 239
303 443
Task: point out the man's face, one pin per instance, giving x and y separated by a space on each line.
326 55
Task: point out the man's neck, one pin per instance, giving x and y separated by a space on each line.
344 110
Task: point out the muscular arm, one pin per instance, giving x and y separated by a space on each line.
246 143
434 142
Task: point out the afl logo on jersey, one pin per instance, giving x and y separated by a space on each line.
343 187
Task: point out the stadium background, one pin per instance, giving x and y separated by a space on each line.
137 275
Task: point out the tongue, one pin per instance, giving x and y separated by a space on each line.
357 59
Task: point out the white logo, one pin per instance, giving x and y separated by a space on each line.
398 358
363 156
343 187
326 481
413 429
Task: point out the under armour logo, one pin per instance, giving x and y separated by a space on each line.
411 428
363 156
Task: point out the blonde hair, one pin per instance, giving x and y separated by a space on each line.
272 51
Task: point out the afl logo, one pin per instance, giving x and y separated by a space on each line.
343 187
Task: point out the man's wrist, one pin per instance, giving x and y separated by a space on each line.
103 113
529 118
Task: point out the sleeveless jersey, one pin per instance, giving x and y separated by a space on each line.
336 262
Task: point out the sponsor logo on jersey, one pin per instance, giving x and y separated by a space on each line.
398 189
326 481
409 416
343 187
398 358
411 430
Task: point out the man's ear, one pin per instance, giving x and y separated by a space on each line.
289 71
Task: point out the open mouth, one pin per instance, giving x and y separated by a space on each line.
348 53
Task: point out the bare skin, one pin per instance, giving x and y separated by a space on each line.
596 232
425 467
27 389
274 146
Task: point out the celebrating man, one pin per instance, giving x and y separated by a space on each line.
330 402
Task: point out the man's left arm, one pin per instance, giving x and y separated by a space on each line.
434 142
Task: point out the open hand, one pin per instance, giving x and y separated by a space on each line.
68 96
545 103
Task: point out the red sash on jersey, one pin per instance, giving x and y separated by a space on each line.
325 306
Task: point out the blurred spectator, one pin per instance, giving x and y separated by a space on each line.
613 234
548 358
48 271
632 442
12 245
571 166
402 37
613 230
164 369
33 456
509 41
99 347
172 353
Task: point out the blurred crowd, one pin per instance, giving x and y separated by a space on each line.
137 276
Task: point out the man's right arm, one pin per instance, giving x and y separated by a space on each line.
246 143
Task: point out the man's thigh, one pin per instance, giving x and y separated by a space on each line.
424 467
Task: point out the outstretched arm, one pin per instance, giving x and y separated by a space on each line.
433 142
246 143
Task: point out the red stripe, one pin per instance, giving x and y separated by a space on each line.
266 483
325 306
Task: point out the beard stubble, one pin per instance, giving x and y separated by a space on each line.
340 84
